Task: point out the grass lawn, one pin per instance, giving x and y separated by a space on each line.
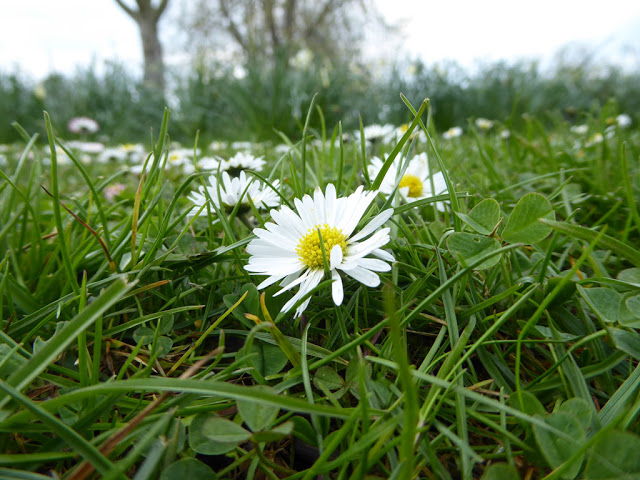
382 304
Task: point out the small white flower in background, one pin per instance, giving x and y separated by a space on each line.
504 134
241 145
86 147
128 152
242 161
234 190
83 125
594 139
61 157
216 145
112 155
289 251
484 124
580 129
415 184
623 120
376 133
453 132
136 169
182 158
282 148
209 163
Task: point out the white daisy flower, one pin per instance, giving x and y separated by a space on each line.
453 132
82 125
288 251
217 145
415 184
112 154
484 124
580 129
235 190
377 133
623 120
86 147
241 145
209 163
242 161
594 139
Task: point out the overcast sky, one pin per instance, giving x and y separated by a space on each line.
40 36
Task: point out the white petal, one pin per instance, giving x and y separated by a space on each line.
364 276
302 308
370 227
280 270
335 257
318 202
374 264
383 254
337 292
303 278
269 281
311 281
377 240
270 251
358 210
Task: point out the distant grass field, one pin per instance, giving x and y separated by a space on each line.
486 328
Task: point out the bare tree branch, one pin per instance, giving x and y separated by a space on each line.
289 19
161 8
132 13
231 25
267 7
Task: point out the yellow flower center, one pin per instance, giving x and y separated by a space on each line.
309 250
414 184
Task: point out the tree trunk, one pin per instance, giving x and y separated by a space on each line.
147 17
152 50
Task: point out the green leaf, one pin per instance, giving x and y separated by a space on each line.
628 342
530 404
303 430
468 248
213 435
270 359
484 217
501 471
557 450
258 416
278 433
165 324
143 335
523 225
251 304
10 360
224 431
604 302
580 409
630 275
614 456
630 316
164 346
329 378
187 468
